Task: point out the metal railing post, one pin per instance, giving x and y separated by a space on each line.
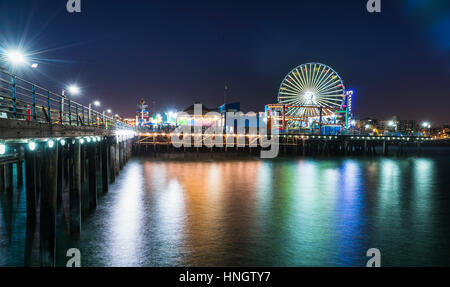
61 116
13 84
82 112
76 111
49 108
33 91
70 113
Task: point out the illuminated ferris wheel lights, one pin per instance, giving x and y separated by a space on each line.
313 88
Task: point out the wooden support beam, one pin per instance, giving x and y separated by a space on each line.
92 175
75 189
116 156
121 157
105 161
60 179
82 163
112 162
2 178
9 177
30 185
48 207
19 167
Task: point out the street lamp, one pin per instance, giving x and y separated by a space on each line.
97 104
394 125
73 91
16 57
106 111
427 125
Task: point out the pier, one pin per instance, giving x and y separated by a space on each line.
53 147
298 145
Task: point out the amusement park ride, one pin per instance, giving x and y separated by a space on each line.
312 97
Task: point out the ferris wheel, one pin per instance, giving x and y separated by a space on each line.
310 90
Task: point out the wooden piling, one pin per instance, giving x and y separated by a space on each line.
75 189
59 193
112 163
82 163
48 207
9 177
105 160
30 185
19 167
92 175
117 158
2 178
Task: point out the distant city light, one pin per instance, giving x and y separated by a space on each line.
108 111
34 65
97 103
391 124
426 125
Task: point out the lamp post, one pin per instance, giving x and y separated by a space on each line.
353 124
394 125
103 114
97 104
17 58
73 91
427 125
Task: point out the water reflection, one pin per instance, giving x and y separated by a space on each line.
126 221
264 213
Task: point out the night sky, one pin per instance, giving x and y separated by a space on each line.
177 52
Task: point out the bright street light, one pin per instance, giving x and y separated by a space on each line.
426 125
74 90
16 57
97 103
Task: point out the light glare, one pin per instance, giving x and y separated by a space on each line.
16 57
74 90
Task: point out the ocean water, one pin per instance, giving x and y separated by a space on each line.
252 212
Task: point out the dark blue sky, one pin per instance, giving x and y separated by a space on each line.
178 52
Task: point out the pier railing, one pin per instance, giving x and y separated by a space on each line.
27 101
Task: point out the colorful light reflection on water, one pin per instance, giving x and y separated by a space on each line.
325 212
